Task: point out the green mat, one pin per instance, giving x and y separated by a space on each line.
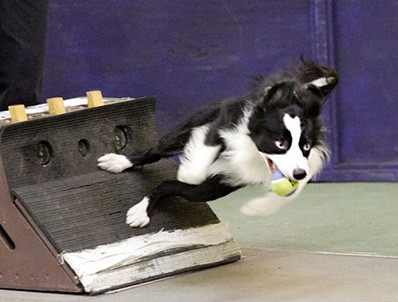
349 218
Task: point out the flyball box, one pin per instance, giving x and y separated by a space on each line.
62 220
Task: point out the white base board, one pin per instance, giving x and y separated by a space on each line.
151 256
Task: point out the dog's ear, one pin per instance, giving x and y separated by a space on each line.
317 78
322 86
274 94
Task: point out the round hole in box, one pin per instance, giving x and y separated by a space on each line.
120 138
44 152
84 147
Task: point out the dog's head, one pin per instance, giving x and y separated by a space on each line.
285 124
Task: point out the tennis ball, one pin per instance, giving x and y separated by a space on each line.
282 185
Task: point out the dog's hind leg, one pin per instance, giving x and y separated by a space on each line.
115 163
171 143
167 147
211 189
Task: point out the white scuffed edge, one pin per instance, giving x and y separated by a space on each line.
128 261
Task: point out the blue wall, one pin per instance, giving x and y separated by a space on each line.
184 52
187 53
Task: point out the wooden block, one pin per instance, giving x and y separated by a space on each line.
94 98
47 183
18 113
56 106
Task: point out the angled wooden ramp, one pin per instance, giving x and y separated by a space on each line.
62 220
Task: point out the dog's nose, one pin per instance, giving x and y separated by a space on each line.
299 174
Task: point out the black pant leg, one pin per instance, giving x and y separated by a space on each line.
22 49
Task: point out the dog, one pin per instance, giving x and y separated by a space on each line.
238 142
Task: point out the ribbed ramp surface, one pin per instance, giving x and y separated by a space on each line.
83 217
79 211
85 211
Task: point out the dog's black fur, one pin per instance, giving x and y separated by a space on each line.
256 120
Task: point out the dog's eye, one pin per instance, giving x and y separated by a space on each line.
282 144
307 147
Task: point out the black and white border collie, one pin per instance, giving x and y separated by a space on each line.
242 141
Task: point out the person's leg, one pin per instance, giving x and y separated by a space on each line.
22 49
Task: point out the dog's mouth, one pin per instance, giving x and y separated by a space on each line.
271 165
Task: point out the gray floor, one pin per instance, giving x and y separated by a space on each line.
339 242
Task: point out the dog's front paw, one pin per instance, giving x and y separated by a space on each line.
114 163
137 216
266 205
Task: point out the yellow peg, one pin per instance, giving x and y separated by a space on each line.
94 98
17 113
56 106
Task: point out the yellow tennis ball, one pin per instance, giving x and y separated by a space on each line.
282 185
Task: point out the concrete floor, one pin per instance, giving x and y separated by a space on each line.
338 242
